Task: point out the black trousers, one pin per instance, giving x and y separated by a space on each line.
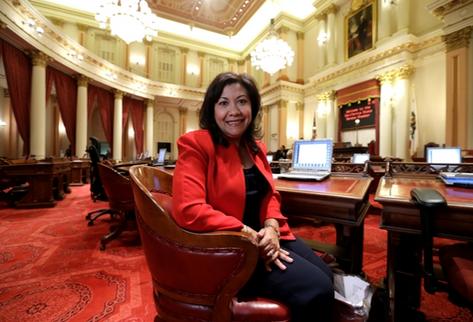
305 286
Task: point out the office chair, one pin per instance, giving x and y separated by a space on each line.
96 189
196 276
456 260
120 199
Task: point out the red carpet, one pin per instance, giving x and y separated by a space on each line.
51 268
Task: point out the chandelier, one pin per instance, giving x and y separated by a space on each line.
272 54
130 20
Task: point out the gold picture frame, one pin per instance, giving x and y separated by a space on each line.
360 29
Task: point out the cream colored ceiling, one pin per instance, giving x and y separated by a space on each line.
222 16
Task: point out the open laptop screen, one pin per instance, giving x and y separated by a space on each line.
313 155
360 157
161 156
443 155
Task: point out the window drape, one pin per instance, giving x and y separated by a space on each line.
18 70
137 118
66 92
91 100
105 100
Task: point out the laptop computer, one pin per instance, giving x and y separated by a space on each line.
443 155
360 157
311 160
161 157
462 179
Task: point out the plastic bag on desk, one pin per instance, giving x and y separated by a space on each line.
352 298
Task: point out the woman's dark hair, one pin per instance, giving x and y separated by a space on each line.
214 91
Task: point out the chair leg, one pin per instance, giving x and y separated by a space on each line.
113 234
93 215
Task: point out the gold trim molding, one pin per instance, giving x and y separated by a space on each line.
446 8
458 39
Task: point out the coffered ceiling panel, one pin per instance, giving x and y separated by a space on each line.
221 16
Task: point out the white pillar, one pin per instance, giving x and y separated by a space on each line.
402 112
149 127
385 19
117 126
322 48
385 116
331 52
321 119
402 15
331 119
38 107
81 116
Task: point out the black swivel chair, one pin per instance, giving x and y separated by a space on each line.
456 260
96 188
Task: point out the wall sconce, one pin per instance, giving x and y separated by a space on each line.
3 123
137 60
193 69
322 38
388 3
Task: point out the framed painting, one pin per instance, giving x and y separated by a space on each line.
360 29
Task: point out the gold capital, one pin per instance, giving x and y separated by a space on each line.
39 58
82 80
458 39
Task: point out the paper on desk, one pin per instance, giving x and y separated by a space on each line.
351 290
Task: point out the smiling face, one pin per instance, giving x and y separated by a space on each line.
233 112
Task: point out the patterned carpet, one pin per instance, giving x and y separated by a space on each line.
51 268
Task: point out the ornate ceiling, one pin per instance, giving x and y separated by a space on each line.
221 16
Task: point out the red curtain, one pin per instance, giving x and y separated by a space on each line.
49 82
125 112
18 72
137 110
91 100
105 100
66 92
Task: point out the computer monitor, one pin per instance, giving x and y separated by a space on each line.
443 155
360 157
161 157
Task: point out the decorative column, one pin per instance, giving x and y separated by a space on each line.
184 52
458 87
182 120
300 57
282 127
331 115
401 144
241 66
81 116
331 44
117 125
266 127
149 146
384 30
38 106
322 51
300 111
201 63
321 115
385 115
282 74
402 16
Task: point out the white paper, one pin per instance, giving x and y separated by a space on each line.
350 289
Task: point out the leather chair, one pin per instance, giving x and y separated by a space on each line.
456 260
196 276
120 199
96 188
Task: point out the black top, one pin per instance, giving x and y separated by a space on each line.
256 189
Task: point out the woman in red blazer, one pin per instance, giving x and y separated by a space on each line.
223 181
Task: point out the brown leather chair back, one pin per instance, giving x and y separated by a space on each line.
117 188
196 276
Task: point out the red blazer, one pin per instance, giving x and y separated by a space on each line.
209 186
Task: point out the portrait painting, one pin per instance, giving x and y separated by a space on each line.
360 29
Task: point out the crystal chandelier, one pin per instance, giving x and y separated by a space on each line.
131 20
272 54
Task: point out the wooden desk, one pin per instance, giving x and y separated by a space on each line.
80 172
48 181
341 200
402 221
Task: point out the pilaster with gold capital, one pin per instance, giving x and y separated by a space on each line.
404 72
82 80
458 39
118 94
39 58
386 78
